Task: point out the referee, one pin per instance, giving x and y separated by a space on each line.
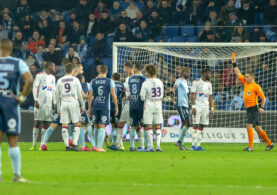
251 92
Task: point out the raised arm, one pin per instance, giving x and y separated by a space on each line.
236 69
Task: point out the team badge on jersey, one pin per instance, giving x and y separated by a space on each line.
248 93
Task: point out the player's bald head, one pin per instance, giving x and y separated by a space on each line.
6 47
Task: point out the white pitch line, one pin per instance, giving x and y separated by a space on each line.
157 185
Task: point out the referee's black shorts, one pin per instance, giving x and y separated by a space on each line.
253 116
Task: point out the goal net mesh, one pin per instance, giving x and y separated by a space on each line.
227 90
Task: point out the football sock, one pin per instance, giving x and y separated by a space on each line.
81 140
119 134
35 135
250 137
101 136
70 131
145 138
141 138
182 135
0 161
92 141
65 136
43 130
113 135
158 137
199 137
76 134
15 157
194 136
95 135
150 138
48 134
264 136
132 138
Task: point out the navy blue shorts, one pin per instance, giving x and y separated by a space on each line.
85 118
115 119
136 117
56 119
10 121
184 113
101 117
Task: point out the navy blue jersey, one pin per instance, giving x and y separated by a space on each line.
135 83
101 88
10 71
119 90
85 90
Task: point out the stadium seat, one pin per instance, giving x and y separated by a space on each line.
109 62
191 39
171 30
110 39
199 29
157 38
88 62
139 5
92 39
167 39
177 39
195 74
227 105
124 5
187 30
65 50
219 105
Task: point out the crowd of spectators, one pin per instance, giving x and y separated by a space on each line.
64 31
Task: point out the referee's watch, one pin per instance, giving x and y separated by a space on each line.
262 108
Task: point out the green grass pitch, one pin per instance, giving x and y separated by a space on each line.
222 169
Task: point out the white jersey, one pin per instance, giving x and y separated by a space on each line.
152 92
127 88
69 90
44 89
202 90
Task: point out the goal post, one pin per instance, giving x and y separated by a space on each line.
170 58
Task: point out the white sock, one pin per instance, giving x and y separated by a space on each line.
158 135
150 138
76 134
42 135
141 138
199 138
65 136
15 157
119 134
35 135
132 138
194 136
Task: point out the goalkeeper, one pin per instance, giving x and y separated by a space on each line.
251 92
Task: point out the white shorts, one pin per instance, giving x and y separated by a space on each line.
70 113
202 115
43 113
125 114
151 116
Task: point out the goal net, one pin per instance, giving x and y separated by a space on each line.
230 113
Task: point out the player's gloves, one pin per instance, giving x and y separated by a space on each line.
235 65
